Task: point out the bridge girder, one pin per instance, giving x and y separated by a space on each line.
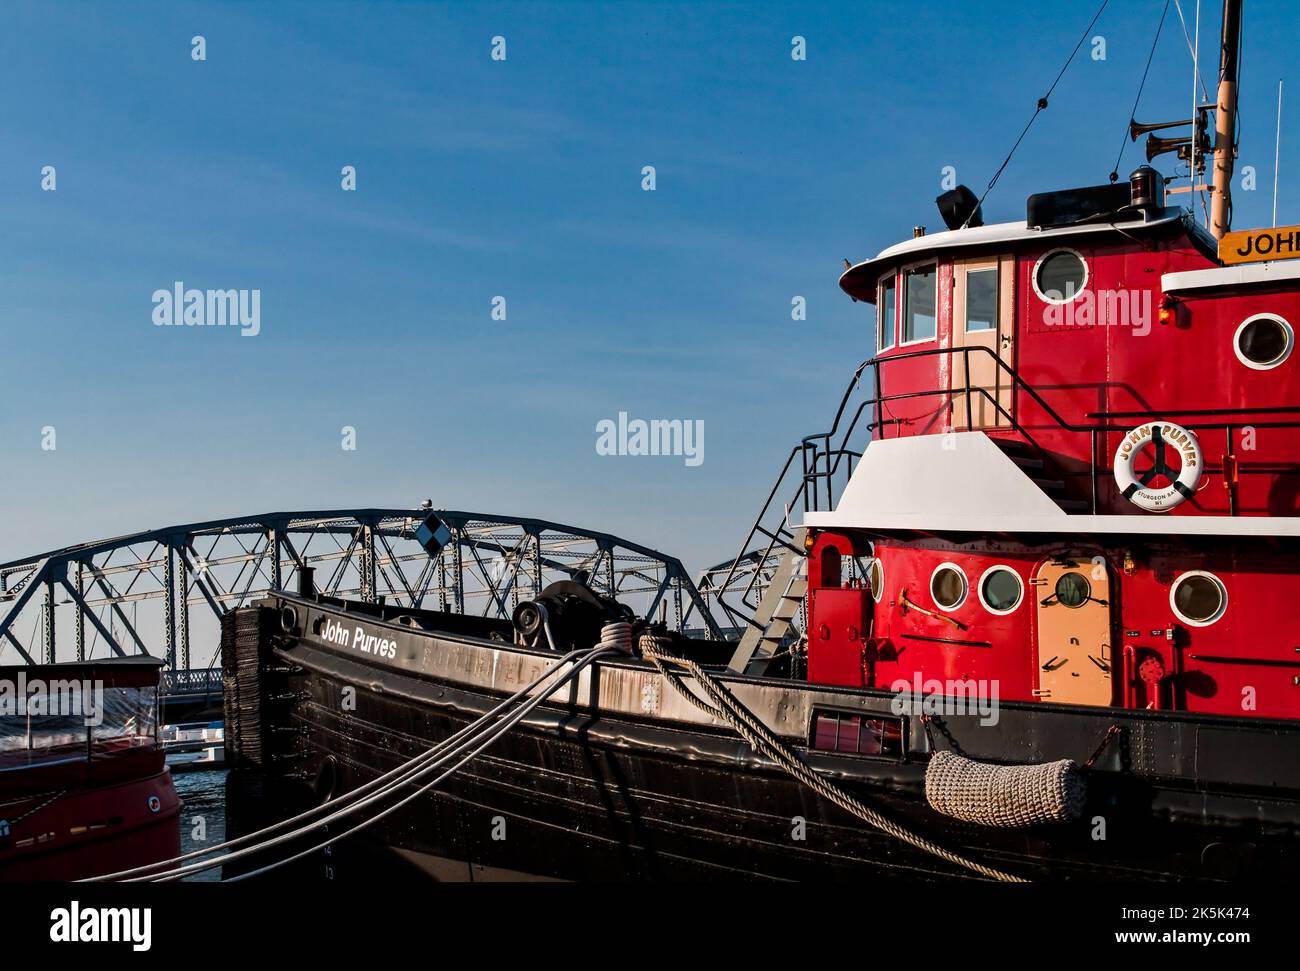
136 591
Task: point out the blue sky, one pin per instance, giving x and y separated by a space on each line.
520 178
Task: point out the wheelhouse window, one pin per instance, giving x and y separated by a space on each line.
84 721
1060 276
982 299
920 313
886 315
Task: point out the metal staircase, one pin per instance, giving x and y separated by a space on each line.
1042 471
761 591
781 603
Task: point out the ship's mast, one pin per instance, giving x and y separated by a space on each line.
1225 119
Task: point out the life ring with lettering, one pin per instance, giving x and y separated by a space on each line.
1162 437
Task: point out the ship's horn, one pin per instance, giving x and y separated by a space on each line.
1158 146
1135 129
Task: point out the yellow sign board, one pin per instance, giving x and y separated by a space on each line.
1258 245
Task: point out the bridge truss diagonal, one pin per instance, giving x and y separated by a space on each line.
163 592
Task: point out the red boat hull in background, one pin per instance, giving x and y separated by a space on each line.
84 786
95 831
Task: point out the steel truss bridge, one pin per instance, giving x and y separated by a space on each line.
163 592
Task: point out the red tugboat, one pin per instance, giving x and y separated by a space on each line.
83 785
1082 483
1049 618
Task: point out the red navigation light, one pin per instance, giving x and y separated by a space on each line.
1146 188
1168 310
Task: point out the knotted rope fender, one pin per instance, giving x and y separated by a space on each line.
762 741
1005 796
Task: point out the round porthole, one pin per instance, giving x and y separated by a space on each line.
1060 276
1263 341
876 579
1198 598
948 586
1001 590
1073 590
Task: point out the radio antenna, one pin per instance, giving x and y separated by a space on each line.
1277 149
1196 73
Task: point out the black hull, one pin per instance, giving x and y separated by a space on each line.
572 795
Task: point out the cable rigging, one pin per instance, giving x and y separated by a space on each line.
1114 172
1042 106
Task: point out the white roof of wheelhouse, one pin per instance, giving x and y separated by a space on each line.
907 485
999 233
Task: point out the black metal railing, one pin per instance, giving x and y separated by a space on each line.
820 463
190 681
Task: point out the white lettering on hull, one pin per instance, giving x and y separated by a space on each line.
358 639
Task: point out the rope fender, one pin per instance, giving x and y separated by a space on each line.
762 741
1004 796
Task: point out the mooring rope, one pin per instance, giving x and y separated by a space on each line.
489 736
482 732
350 802
761 740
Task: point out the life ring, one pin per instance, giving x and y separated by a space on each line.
1182 486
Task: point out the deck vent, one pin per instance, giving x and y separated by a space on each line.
1071 207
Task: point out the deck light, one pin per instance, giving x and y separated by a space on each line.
1146 188
960 207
